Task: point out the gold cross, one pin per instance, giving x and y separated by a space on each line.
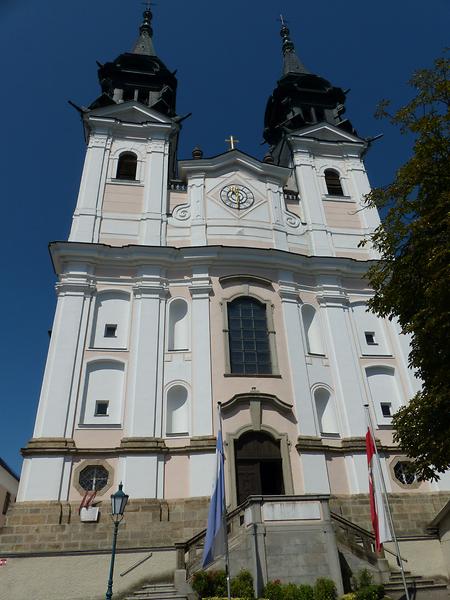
232 141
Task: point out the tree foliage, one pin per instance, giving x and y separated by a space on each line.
412 279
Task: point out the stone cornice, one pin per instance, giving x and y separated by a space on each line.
256 397
169 257
339 446
66 446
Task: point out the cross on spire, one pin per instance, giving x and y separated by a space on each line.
232 141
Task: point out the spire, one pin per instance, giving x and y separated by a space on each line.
291 62
144 44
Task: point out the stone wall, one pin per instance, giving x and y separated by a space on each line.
56 526
412 513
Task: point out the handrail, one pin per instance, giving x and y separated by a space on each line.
362 532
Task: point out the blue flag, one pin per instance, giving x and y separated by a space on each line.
215 543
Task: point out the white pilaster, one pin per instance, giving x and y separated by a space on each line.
86 218
276 206
196 199
62 372
296 351
41 479
350 391
142 476
154 218
145 381
200 289
311 198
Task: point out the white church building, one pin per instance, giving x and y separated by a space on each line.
224 279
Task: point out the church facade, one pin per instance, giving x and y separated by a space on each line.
225 279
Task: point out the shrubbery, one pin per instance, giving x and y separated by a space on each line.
365 588
213 584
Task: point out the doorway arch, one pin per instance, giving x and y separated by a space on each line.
258 465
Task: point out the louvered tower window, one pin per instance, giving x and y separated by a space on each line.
126 167
333 181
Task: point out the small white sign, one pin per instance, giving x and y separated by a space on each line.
291 511
89 515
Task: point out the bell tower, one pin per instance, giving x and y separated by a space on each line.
305 126
132 136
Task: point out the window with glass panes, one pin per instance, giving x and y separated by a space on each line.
248 337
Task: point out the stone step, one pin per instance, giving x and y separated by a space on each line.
397 587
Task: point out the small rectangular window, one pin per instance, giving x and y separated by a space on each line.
101 408
370 338
386 409
110 330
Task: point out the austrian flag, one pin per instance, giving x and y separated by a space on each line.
378 513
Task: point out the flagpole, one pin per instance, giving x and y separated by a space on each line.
386 500
225 524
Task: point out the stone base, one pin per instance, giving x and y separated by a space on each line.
412 513
40 527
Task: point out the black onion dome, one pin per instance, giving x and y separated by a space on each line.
139 75
301 99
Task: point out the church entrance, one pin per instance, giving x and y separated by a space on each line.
259 468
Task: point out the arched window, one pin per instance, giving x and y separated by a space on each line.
126 167
311 325
177 419
178 334
326 415
248 337
333 181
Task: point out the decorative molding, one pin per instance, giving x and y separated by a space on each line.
258 398
246 279
342 446
67 287
128 446
291 219
182 212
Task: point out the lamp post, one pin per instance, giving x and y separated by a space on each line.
118 502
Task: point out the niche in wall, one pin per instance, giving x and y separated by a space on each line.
311 326
177 412
111 319
326 414
104 383
178 325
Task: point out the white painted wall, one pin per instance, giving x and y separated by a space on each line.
178 325
383 388
177 416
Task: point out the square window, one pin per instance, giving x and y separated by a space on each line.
110 330
370 338
101 408
386 409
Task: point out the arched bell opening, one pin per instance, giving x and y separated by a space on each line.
259 465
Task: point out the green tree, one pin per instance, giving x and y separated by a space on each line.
412 280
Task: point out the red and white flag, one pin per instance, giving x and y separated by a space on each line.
88 498
378 513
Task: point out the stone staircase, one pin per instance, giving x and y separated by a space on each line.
157 591
420 588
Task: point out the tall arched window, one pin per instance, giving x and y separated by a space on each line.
311 325
326 415
177 419
333 181
178 333
248 337
126 166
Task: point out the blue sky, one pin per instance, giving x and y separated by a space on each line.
228 59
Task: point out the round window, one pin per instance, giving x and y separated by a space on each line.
403 473
93 478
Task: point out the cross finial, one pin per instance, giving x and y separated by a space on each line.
282 21
232 141
148 4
